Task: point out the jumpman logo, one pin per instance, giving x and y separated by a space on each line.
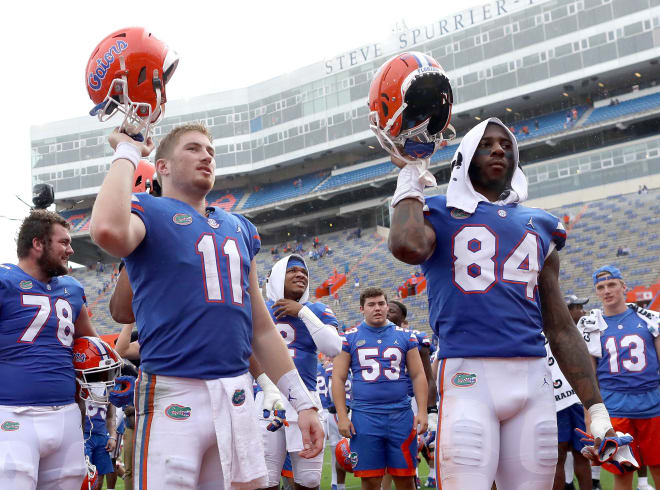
545 381
290 397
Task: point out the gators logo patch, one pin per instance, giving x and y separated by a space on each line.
182 219
178 412
25 284
459 213
10 426
463 380
238 398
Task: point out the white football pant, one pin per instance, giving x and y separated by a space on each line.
193 433
306 472
41 448
496 421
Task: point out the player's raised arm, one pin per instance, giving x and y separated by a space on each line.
112 226
569 348
412 239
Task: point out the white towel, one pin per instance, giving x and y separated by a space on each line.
460 193
239 437
593 325
275 285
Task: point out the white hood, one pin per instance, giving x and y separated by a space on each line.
460 193
275 284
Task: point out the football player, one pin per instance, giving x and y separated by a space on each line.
97 365
397 313
306 328
42 311
570 415
624 342
199 316
383 429
492 272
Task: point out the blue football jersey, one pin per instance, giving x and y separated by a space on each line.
36 338
482 278
300 342
322 386
190 281
326 373
629 361
378 365
95 418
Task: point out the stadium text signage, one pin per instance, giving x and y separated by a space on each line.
413 37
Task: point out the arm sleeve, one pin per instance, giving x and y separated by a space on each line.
412 342
325 336
140 206
251 235
345 346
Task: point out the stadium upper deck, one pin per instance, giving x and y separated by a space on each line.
505 50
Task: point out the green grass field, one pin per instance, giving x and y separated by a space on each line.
353 483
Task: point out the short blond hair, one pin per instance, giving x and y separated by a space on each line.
169 142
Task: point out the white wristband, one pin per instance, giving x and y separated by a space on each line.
127 151
600 420
295 391
408 185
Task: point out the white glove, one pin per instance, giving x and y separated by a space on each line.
624 456
272 396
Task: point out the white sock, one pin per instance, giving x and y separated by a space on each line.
595 472
432 471
568 468
341 486
333 465
642 481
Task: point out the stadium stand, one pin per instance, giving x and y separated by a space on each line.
595 232
283 190
624 108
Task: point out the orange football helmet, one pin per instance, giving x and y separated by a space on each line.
410 102
144 178
96 365
127 72
345 458
91 480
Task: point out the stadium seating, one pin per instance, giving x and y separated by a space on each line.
624 108
283 190
548 124
597 229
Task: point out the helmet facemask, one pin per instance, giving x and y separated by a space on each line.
139 117
96 383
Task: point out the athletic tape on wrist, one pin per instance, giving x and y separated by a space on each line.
408 185
295 391
127 151
600 420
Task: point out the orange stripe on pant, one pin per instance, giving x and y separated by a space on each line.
151 385
441 381
405 449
